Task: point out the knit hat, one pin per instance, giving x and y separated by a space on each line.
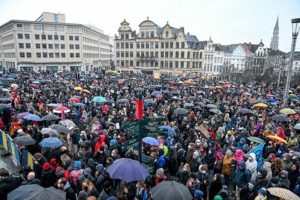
218 197
198 194
77 164
229 152
46 166
262 191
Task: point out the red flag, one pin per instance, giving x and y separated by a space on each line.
139 107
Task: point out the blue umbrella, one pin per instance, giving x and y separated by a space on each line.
166 92
79 104
36 82
99 99
127 170
51 142
22 115
32 117
170 130
151 141
156 93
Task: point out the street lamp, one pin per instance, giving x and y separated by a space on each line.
295 31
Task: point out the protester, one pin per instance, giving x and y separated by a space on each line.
212 147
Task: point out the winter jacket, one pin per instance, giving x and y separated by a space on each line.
101 178
7 185
48 178
242 176
252 166
226 168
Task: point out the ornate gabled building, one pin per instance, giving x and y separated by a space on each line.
167 49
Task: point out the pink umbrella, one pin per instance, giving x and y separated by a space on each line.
61 109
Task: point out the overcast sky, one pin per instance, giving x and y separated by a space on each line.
226 21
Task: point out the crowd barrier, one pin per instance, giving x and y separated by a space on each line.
6 142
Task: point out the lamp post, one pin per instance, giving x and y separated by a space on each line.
295 31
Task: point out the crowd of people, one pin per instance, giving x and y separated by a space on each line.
212 128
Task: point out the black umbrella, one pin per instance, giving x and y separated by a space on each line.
3 106
125 88
216 111
24 140
170 190
280 118
211 106
180 111
5 99
122 101
50 118
139 89
261 101
60 128
197 108
188 105
34 191
108 123
244 111
201 104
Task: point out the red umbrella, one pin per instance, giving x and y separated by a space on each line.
74 99
61 109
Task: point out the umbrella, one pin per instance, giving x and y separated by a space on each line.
297 127
60 128
197 108
23 114
211 106
125 88
108 123
79 104
149 101
151 141
61 109
264 101
35 191
256 139
99 99
50 117
127 170
78 88
52 105
216 111
139 89
75 99
244 111
180 111
287 111
5 90
170 190
156 93
201 104
24 140
49 131
86 91
261 105
188 105
68 123
170 130
6 99
122 101
283 193
166 92
51 142
280 118
32 117
36 82
276 138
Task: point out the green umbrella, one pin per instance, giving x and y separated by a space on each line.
256 139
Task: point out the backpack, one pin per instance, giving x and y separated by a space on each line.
75 175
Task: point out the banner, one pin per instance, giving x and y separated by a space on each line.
13 149
3 140
139 106
258 152
27 159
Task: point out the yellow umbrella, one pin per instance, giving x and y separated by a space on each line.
282 193
78 88
261 105
287 111
276 138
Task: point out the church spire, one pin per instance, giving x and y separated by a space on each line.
275 39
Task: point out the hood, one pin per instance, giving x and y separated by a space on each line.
88 171
285 173
267 165
253 156
242 165
100 168
91 162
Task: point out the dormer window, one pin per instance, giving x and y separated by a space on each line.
167 34
142 34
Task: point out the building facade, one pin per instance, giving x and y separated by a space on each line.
53 45
167 49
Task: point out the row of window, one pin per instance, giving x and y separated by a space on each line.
152 45
163 64
162 54
49 46
48 55
49 37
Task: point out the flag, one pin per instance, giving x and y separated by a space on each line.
3 141
139 106
15 152
258 152
27 159
9 143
